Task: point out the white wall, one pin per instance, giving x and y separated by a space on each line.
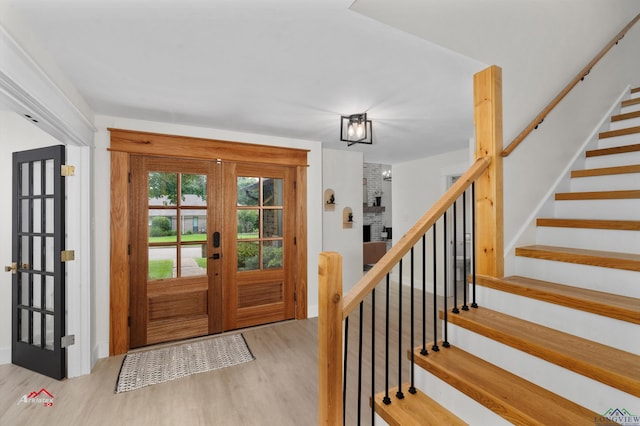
417 185
531 171
342 172
16 134
100 311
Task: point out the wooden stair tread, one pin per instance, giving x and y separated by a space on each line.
622 308
630 102
620 132
605 259
618 225
605 171
605 364
627 116
613 150
599 195
515 399
414 409
635 90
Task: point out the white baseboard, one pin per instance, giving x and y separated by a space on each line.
5 355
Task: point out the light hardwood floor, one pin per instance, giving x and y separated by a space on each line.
278 388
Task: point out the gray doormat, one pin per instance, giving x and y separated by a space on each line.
140 369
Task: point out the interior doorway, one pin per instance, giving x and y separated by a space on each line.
459 239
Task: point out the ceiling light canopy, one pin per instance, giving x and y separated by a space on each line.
356 128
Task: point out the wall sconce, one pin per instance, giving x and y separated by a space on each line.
356 129
386 175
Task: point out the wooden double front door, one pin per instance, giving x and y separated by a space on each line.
212 247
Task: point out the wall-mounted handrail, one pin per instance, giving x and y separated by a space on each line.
393 256
579 77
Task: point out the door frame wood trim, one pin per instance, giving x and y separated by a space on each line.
124 143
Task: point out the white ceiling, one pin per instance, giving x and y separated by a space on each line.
278 67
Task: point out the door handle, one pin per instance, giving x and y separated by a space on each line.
13 268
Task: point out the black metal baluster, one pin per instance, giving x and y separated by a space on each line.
435 294
412 388
344 371
455 309
445 338
465 279
424 295
360 361
473 239
399 393
373 356
386 398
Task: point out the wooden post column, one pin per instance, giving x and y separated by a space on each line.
330 339
489 205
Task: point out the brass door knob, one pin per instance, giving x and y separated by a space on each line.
13 268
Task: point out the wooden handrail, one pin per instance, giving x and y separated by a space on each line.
540 117
364 286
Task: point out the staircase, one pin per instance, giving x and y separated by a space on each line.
559 343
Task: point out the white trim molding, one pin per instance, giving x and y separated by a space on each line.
26 89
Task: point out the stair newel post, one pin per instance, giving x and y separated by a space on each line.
489 189
330 406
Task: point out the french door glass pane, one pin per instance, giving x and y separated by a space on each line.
25 215
163 190
49 177
24 325
162 262
37 291
248 224
37 254
37 329
37 178
48 281
193 190
24 180
193 261
272 254
24 289
48 337
248 256
248 191
162 226
272 190
37 215
48 209
50 256
271 223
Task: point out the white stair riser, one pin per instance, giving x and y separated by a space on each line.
630 108
608 280
591 239
635 95
615 141
614 160
615 182
554 378
455 401
601 329
625 124
626 209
